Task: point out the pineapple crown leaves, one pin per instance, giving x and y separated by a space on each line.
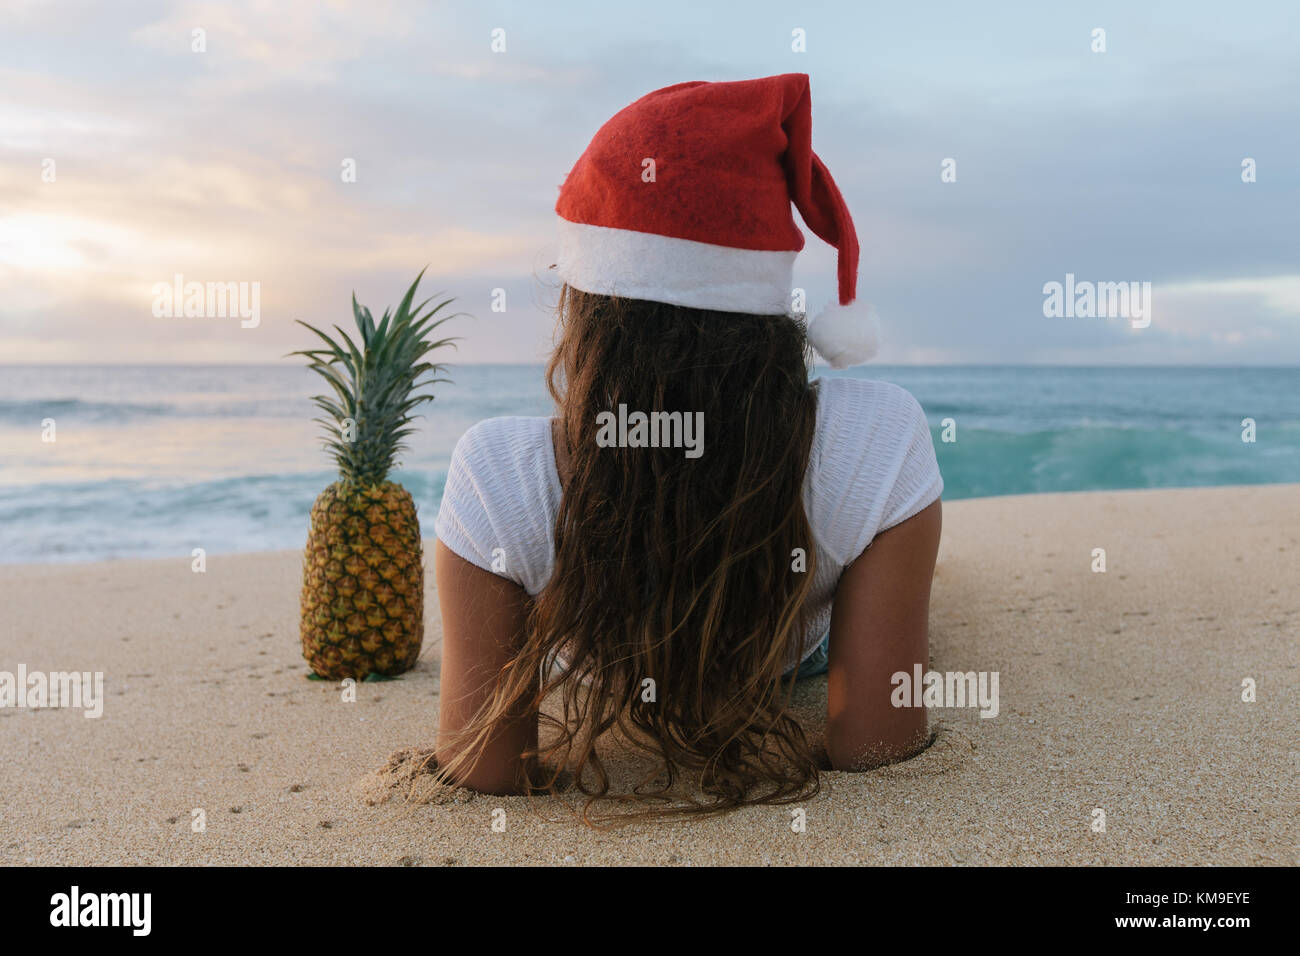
376 384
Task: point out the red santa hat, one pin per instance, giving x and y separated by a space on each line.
684 197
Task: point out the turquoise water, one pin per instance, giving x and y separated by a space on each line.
154 461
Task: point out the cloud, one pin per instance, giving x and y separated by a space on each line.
1278 295
225 166
286 40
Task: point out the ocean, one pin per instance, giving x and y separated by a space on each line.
153 461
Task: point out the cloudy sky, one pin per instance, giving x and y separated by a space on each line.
127 157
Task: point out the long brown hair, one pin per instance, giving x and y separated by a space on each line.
675 600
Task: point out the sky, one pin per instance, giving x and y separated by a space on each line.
128 157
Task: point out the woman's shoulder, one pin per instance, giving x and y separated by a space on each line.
511 453
866 406
507 457
510 435
873 463
861 420
500 497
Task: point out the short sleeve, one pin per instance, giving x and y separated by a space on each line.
498 503
462 520
873 464
917 483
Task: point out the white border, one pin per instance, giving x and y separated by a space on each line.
642 265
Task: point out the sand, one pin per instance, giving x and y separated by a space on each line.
1119 691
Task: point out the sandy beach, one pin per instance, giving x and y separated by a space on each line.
1120 691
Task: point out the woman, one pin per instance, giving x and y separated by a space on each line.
699 522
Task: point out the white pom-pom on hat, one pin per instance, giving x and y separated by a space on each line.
846 335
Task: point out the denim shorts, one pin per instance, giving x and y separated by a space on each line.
818 662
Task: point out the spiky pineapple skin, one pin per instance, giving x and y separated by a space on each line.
363 582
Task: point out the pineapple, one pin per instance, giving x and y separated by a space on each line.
363 569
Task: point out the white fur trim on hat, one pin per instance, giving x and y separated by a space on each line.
845 335
700 275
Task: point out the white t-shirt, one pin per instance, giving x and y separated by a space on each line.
872 466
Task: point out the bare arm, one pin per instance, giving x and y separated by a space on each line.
483 619
879 626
